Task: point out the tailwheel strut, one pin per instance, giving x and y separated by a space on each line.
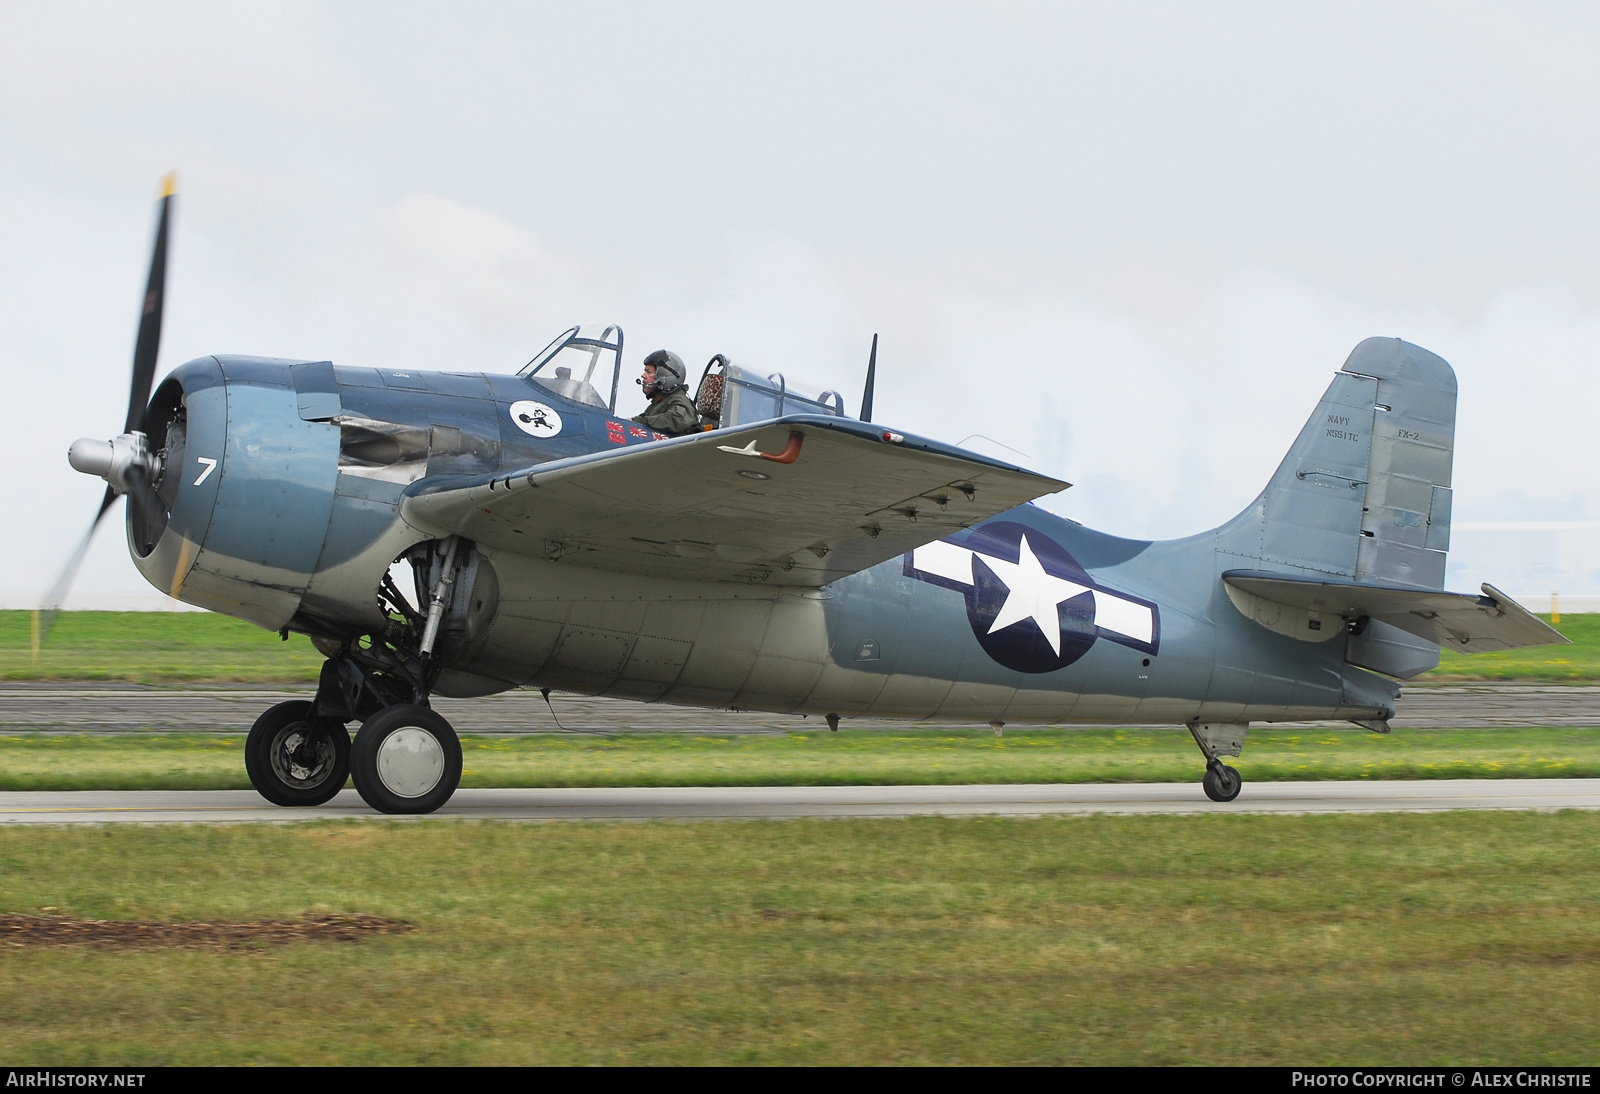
1216 740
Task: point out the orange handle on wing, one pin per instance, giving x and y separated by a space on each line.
791 451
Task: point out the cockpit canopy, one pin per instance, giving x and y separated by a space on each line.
584 358
579 358
733 395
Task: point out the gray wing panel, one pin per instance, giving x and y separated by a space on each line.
1461 621
707 507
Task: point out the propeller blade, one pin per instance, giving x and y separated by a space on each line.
45 617
148 511
149 515
149 340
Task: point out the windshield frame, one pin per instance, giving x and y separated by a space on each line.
576 338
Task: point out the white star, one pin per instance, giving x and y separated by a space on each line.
1031 594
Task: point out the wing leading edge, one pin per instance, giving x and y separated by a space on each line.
795 501
1459 621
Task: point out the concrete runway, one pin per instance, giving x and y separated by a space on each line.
119 708
235 806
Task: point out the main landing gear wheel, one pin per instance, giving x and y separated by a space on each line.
1222 782
295 759
406 759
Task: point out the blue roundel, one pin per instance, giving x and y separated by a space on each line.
1016 586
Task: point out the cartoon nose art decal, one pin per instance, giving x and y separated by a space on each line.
1031 606
535 419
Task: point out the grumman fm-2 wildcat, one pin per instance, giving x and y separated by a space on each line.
788 558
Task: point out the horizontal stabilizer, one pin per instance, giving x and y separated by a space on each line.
1306 607
803 500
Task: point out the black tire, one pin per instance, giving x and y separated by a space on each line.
295 759
397 771
1222 783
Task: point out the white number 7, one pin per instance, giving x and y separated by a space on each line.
211 465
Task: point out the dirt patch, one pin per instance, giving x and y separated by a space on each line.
53 930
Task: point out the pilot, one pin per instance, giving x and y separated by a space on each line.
670 410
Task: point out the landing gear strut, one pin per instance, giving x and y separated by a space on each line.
1217 739
406 758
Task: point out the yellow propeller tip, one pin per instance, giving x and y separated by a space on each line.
169 184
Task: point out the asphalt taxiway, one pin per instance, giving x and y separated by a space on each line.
781 802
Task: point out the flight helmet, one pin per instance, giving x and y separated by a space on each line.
671 375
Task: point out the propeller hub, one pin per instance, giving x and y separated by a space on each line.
111 460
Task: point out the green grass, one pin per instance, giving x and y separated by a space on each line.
195 761
154 648
1394 939
193 647
1578 663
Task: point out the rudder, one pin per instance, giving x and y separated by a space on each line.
1405 530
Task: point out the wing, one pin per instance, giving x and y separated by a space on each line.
794 501
1460 621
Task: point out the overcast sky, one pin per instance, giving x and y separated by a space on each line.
1133 241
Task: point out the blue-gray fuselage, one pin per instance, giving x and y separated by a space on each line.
286 483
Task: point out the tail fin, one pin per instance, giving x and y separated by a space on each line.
1360 507
1364 493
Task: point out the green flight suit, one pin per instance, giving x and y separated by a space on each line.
675 415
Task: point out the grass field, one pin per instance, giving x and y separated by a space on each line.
1578 663
153 648
194 647
1406 939
1415 939
850 757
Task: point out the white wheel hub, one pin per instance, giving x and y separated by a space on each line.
410 762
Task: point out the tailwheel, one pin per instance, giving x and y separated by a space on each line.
293 758
406 759
1222 782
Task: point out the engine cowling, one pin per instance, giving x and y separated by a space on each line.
247 485
263 515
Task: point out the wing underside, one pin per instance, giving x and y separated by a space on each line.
794 501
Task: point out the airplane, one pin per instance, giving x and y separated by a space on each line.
466 533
